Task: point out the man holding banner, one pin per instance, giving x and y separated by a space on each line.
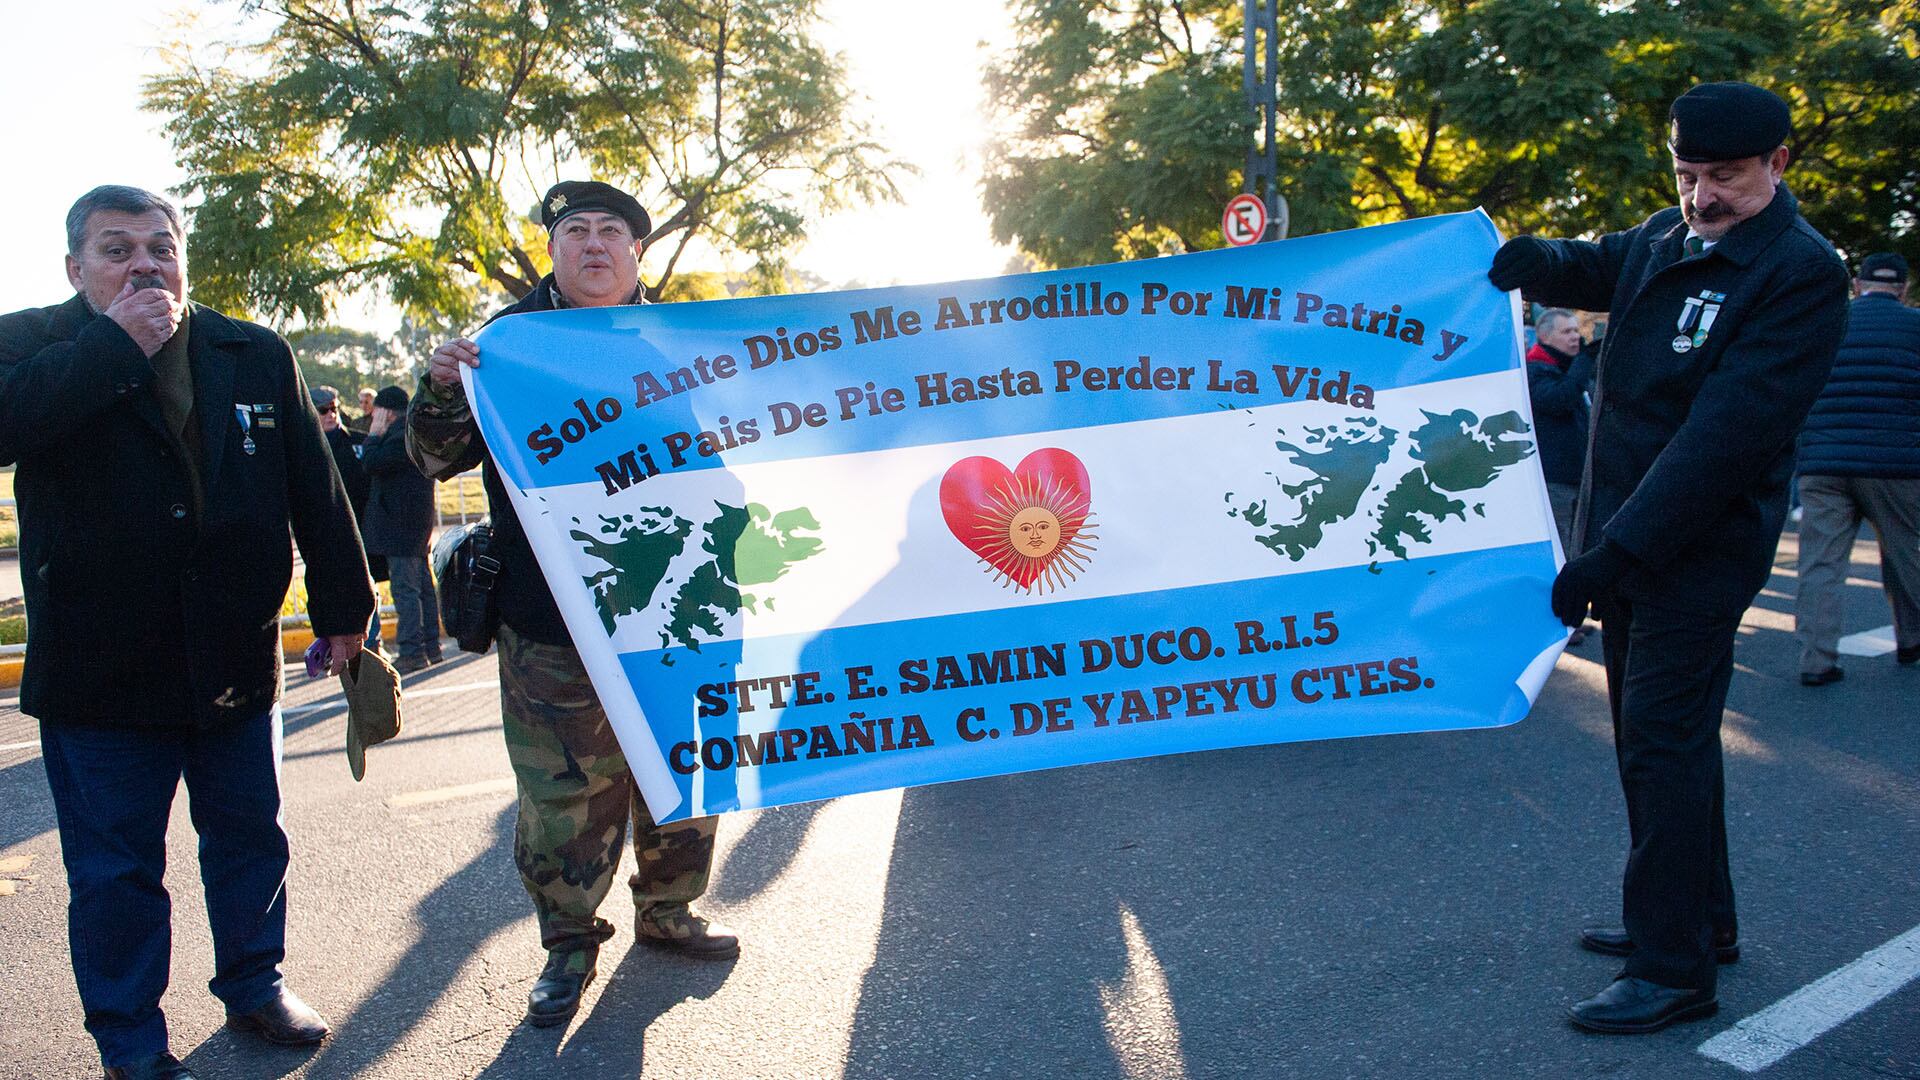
1727 311
576 792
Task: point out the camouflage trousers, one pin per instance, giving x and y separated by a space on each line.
576 796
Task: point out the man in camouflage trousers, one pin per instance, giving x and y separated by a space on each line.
576 793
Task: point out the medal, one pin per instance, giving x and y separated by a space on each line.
243 414
1696 318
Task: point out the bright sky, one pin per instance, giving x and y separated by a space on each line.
73 73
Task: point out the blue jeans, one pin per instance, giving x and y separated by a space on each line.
112 791
416 606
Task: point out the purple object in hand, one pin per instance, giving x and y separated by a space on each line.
319 656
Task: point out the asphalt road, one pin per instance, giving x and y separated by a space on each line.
1387 907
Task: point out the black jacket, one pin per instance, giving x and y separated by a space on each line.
142 611
1867 421
400 499
1693 447
345 443
1559 395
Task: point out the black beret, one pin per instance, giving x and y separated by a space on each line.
569 197
1883 266
1727 121
390 397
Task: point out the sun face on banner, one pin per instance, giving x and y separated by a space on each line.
1028 524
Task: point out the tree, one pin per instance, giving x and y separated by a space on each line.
1551 114
400 145
346 359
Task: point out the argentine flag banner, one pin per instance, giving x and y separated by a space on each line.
815 545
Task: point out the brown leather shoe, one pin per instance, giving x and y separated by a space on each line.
674 926
284 1021
1613 941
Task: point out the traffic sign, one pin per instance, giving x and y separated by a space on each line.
1245 220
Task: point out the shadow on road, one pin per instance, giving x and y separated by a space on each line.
611 1041
456 919
23 791
762 853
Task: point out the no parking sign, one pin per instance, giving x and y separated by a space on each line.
1245 220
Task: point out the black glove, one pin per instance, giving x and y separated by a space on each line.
1520 262
1592 573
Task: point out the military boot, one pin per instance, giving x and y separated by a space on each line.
555 996
673 926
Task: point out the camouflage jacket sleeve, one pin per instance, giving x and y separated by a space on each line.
442 437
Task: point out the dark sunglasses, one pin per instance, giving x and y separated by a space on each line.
329 408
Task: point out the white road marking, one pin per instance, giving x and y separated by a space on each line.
1876 642
1811 1011
31 745
405 695
502 786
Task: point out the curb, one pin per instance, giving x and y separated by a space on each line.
295 636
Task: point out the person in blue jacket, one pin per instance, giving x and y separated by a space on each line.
1860 460
1725 312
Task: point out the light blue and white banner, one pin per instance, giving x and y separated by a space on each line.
815 545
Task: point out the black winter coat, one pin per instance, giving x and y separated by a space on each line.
345 443
399 500
1559 396
142 611
1693 446
1867 421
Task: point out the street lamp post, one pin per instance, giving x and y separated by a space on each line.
1263 161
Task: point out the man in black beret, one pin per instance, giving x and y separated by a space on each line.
576 792
1726 312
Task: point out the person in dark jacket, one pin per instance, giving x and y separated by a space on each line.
398 524
345 444
1558 381
1725 313
571 825
1559 377
1860 459
163 451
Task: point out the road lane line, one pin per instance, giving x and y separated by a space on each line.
1814 1009
446 794
33 745
1876 642
405 696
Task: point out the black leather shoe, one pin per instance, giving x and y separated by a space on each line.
1630 1006
1821 678
1614 941
284 1021
1908 655
555 996
162 1066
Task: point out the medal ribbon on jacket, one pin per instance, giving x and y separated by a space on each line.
244 415
1696 318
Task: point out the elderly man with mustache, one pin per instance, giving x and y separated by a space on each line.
1726 312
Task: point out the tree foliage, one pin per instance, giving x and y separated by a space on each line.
347 359
401 145
1127 128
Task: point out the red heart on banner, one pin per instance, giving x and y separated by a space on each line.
1028 524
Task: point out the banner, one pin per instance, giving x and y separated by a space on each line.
816 545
